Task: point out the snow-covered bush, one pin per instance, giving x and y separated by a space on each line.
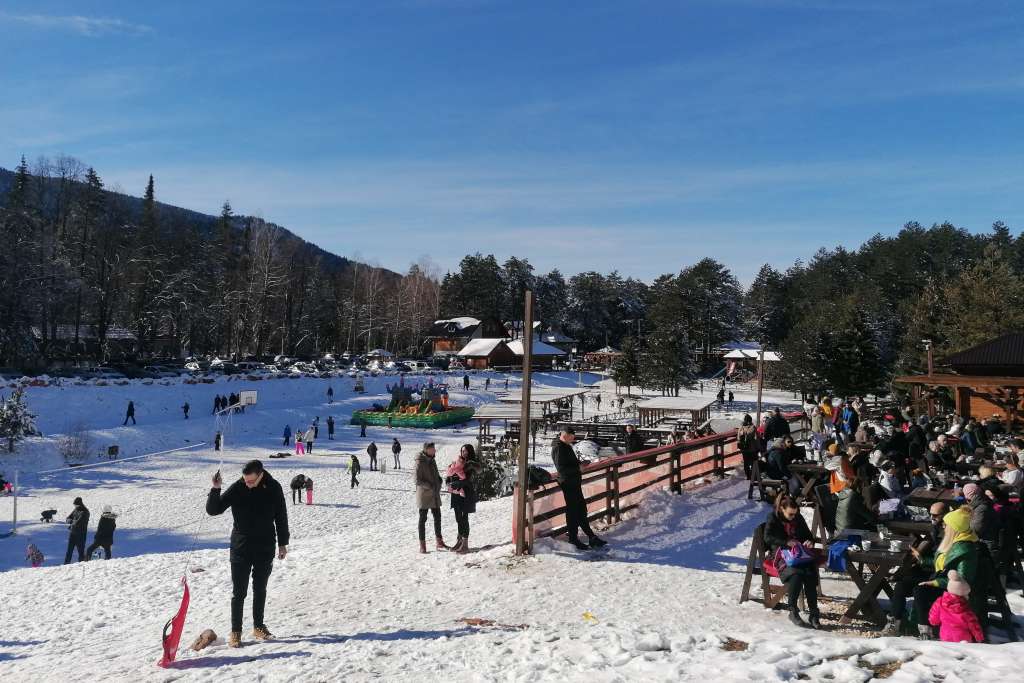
75 444
16 421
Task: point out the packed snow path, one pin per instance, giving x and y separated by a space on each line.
355 601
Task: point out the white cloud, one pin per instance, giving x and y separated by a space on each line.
84 26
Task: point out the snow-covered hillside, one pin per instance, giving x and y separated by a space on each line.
355 601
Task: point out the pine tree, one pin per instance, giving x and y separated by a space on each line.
668 361
985 301
16 420
626 369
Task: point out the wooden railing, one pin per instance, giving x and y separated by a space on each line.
612 486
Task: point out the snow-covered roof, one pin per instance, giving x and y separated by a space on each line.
739 345
738 354
539 348
607 350
461 323
478 348
380 353
556 337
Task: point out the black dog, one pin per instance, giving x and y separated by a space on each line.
47 515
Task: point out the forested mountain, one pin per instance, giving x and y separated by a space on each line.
89 273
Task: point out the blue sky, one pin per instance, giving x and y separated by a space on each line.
639 136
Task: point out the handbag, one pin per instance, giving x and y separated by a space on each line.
796 556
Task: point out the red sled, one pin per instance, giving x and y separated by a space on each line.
173 629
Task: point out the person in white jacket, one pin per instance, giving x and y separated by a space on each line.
889 481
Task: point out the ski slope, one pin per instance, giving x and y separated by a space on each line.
355 601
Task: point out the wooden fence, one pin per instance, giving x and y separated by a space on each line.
612 486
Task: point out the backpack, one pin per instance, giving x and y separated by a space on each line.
537 477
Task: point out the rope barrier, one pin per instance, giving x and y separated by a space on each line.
119 460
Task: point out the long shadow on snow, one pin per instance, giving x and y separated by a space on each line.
21 643
52 540
710 521
221 660
332 638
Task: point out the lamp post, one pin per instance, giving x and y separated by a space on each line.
576 362
931 369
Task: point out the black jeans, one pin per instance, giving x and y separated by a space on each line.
903 589
309 447
462 521
804 579
355 482
296 494
398 460
749 458
924 598
575 509
243 563
96 544
436 512
129 417
75 542
373 462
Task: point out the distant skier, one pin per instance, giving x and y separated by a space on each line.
396 451
104 537
258 508
354 469
465 382
78 527
330 427
130 414
330 394
297 485
288 436
218 441
487 384
371 451
185 409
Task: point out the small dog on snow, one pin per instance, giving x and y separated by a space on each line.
47 515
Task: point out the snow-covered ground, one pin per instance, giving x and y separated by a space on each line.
355 601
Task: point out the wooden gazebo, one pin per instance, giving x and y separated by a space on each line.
984 378
654 410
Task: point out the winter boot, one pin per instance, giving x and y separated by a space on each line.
797 620
596 542
575 542
924 632
423 547
262 633
462 547
440 543
815 621
235 639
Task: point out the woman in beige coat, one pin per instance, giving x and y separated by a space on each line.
428 495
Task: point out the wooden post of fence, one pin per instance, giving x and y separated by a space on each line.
522 546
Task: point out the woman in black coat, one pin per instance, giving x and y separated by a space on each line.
786 528
463 494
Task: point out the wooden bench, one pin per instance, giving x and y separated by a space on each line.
763 486
823 523
760 564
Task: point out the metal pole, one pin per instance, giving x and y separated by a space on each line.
14 529
760 383
522 546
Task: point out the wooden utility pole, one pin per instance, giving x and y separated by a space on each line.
522 547
760 384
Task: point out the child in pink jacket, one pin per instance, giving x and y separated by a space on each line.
953 615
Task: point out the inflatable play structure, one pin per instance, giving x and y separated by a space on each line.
424 407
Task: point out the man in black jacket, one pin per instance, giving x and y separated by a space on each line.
258 507
570 477
78 526
634 442
777 426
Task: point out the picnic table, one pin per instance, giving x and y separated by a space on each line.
923 497
905 527
886 567
807 474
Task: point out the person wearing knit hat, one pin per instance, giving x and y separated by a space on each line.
953 615
957 553
984 519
